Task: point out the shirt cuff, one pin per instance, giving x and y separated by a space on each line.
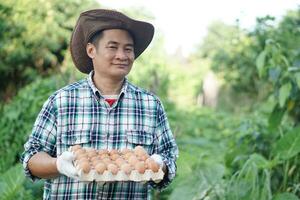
25 159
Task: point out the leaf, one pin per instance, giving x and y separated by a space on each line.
285 196
297 76
259 161
200 183
276 117
289 145
284 59
274 74
11 182
284 93
260 62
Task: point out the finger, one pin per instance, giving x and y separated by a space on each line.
68 156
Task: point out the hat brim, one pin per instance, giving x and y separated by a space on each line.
142 33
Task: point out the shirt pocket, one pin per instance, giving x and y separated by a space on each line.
140 138
73 137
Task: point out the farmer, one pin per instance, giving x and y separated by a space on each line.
103 111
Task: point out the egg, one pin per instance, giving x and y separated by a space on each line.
95 158
83 159
106 160
102 156
85 166
113 151
128 155
140 167
125 151
103 151
114 156
79 151
152 165
96 161
149 160
92 153
132 160
144 157
120 161
80 155
75 147
139 151
100 167
112 168
126 168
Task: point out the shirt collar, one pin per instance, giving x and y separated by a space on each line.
97 92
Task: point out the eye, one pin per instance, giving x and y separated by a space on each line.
112 47
129 50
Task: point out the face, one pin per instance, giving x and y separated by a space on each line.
114 56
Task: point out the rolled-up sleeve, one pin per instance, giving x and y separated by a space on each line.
43 136
166 147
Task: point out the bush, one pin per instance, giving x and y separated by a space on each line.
17 117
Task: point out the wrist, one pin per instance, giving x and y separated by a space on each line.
54 165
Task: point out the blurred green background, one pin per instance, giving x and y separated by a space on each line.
233 104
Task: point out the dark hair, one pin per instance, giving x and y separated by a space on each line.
95 38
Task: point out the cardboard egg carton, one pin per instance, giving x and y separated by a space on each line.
114 165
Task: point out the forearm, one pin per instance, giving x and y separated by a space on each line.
43 165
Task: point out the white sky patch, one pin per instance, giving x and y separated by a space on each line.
184 23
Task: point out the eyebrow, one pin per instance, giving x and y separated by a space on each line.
116 43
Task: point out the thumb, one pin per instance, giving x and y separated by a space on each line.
158 159
68 156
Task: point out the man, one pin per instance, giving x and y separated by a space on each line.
103 111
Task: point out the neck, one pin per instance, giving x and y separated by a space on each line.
108 86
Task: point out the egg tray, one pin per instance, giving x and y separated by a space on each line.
107 176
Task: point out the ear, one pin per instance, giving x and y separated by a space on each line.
91 50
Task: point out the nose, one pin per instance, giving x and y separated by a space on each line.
121 54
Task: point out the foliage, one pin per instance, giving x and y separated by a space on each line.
36 44
247 148
12 184
17 118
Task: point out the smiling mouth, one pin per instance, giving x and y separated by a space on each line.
121 65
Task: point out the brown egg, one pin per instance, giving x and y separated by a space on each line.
85 166
133 160
144 157
102 156
95 158
112 168
75 147
80 155
103 151
113 151
149 160
120 161
92 153
152 165
100 167
140 167
126 168
128 155
79 151
96 161
107 161
125 151
83 159
114 156
139 151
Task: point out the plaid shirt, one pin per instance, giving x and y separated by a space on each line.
78 114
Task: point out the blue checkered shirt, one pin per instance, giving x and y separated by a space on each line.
78 114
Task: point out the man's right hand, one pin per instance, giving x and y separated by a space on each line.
65 166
